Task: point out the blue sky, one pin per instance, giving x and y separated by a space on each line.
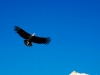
73 25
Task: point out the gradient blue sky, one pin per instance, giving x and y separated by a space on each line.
73 25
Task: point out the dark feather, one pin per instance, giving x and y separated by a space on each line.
30 38
41 40
21 32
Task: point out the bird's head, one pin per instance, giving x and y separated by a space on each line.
33 34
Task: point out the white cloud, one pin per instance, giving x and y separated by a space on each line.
77 73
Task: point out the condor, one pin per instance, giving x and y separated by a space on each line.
31 38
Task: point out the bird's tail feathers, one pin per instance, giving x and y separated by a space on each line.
27 43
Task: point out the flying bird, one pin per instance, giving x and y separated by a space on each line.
31 38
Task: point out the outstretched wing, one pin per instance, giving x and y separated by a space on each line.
21 32
41 40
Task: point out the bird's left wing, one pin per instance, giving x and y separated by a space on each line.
21 32
41 40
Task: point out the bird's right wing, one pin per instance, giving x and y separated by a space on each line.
41 40
21 32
